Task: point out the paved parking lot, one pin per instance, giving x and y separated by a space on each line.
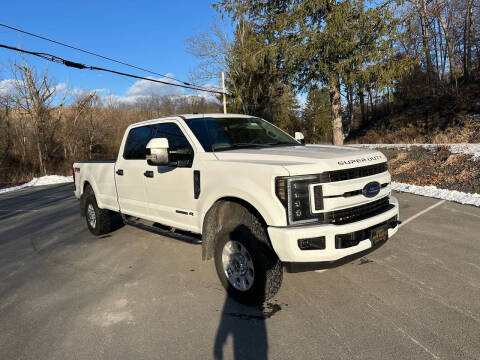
65 294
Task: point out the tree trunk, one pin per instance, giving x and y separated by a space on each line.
370 97
443 55
336 115
435 44
449 42
350 106
426 46
41 165
361 98
467 41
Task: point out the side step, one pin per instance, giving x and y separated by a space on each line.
162 230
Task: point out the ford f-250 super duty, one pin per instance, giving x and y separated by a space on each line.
255 196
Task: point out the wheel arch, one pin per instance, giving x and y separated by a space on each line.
215 216
85 185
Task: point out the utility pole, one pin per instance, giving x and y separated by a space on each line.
224 96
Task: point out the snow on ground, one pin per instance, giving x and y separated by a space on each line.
473 149
40 181
433 191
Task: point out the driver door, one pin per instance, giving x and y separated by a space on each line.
169 192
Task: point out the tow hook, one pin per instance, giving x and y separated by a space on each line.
392 224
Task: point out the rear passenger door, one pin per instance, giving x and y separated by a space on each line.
129 172
169 192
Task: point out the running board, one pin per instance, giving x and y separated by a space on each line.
191 239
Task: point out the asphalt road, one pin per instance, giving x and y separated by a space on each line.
65 294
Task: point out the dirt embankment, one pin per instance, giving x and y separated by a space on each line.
438 167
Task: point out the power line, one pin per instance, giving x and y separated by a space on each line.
94 54
59 60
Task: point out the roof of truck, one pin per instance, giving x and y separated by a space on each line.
213 115
190 116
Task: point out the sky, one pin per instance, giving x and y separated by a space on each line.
148 34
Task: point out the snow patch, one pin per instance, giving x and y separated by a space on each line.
464 148
40 181
433 191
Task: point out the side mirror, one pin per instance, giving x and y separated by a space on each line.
299 137
157 152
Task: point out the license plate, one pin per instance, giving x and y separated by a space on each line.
379 234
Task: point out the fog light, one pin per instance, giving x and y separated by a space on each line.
317 243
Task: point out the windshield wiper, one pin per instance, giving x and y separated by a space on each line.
283 143
241 146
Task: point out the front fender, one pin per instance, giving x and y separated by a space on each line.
269 208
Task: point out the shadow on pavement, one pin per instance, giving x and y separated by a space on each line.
246 325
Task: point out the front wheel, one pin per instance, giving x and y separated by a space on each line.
247 267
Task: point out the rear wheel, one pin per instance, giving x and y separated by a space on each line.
98 220
246 265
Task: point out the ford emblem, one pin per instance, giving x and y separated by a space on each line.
371 189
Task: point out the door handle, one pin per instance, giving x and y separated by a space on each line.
119 172
148 173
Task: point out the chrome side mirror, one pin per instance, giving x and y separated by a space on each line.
299 137
157 152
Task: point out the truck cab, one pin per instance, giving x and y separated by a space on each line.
256 196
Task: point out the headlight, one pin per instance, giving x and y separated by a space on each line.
293 192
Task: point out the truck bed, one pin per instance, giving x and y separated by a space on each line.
97 161
100 175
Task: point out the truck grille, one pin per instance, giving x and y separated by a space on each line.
355 173
357 213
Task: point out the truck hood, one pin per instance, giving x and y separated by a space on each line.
310 159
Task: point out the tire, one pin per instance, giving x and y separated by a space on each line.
99 221
242 245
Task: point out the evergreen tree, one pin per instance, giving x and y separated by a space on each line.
316 116
321 41
254 80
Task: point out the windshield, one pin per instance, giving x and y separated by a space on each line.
219 134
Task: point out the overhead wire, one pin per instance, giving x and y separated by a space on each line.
76 65
99 55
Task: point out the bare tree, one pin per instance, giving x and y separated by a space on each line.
212 49
440 8
5 126
34 97
468 36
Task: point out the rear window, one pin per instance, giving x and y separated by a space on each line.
137 140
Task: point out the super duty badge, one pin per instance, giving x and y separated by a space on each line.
358 161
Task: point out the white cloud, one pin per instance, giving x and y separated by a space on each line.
145 87
208 95
78 91
118 99
138 90
61 87
7 86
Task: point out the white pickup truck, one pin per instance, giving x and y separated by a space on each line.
254 196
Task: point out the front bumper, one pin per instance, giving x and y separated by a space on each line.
285 239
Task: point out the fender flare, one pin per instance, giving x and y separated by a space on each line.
212 222
85 183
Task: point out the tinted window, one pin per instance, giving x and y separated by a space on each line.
220 134
175 136
199 128
137 140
